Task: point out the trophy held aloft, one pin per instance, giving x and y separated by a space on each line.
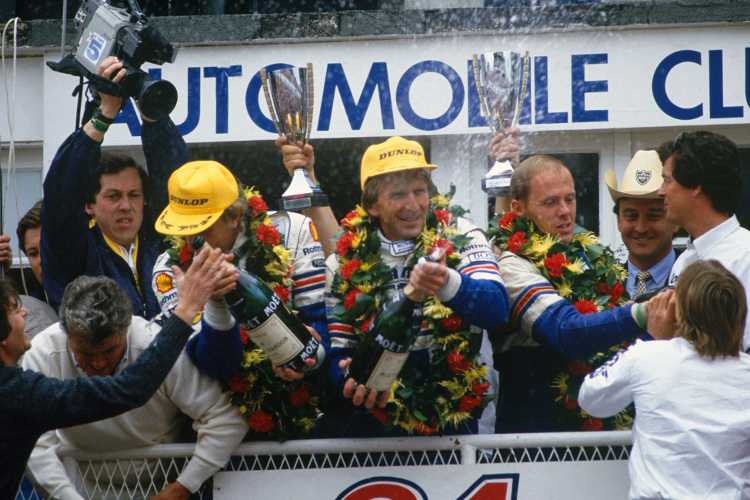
289 95
501 79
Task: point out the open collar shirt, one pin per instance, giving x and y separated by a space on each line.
728 243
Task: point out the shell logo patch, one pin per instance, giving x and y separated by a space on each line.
164 283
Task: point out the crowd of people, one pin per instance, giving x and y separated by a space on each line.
122 288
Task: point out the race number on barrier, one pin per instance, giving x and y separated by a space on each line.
561 466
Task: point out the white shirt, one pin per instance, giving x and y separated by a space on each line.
691 437
729 244
185 390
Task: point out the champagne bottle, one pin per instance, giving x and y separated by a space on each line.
260 311
392 333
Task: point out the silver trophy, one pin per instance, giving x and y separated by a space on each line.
289 94
501 79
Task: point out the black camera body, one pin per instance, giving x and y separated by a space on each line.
105 30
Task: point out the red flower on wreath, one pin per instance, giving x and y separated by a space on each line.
426 430
268 235
443 216
444 244
592 424
579 367
348 269
261 421
452 323
457 362
554 264
344 243
238 383
467 403
570 404
257 204
380 415
506 220
345 221
585 306
365 326
615 291
351 298
185 256
479 389
283 293
299 396
243 335
515 241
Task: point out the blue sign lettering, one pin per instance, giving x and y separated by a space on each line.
222 93
541 97
580 87
716 89
378 82
355 112
659 85
193 102
404 85
715 86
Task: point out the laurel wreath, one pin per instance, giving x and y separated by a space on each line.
274 407
587 275
455 389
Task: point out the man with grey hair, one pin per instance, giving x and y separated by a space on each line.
99 336
33 403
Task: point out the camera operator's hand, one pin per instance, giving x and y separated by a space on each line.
112 69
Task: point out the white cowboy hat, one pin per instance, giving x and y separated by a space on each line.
642 178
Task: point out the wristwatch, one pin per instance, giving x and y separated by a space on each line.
98 116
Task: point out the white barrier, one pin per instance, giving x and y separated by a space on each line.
513 466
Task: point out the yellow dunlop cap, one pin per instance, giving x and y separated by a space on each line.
393 155
199 191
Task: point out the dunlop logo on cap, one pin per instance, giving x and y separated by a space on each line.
183 201
395 152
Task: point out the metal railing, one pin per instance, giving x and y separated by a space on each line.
143 472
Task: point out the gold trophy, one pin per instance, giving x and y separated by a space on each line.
289 95
501 79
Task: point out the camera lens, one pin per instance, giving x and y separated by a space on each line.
157 98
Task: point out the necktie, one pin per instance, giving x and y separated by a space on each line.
641 278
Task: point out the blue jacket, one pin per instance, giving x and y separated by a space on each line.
71 249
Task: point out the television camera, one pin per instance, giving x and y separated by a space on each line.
105 30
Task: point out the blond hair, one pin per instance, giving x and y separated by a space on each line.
712 309
520 180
